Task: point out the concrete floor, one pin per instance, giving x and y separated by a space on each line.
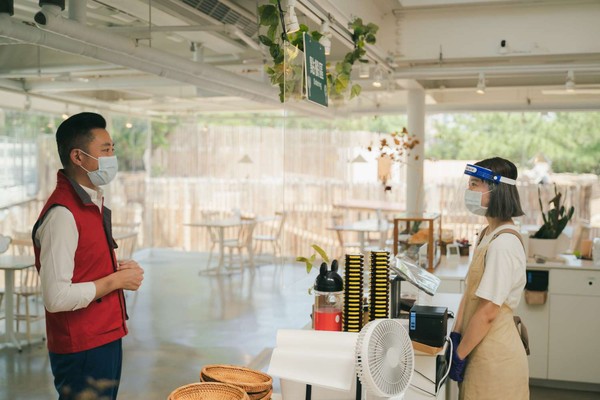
181 321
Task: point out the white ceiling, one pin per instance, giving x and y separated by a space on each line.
135 56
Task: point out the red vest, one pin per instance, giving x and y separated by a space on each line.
103 320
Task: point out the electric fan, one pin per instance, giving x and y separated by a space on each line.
384 358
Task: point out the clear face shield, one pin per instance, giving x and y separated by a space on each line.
468 201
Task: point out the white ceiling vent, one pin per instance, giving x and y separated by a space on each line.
220 11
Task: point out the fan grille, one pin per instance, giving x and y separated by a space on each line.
384 357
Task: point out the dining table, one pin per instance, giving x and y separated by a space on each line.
220 225
10 264
370 205
363 228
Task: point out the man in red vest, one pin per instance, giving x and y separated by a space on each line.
82 282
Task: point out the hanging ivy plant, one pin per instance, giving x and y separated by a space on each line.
339 79
289 78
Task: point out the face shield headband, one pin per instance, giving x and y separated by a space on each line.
487 175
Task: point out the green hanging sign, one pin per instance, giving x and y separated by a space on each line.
315 73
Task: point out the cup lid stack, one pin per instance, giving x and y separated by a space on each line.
379 306
353 292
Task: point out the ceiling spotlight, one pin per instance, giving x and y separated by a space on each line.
570 83
378 77
290 19
363 69
481 84
326 38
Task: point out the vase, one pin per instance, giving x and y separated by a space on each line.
549 248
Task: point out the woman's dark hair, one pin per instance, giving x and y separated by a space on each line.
504 198
76 133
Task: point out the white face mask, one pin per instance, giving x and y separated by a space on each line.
473 202
106 172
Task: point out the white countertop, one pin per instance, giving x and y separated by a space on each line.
458 270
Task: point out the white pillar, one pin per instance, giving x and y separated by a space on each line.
414 172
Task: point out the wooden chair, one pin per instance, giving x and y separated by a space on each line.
29 290
241 242
273 237
4 245
213 233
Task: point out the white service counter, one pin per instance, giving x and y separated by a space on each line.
564 332
423 383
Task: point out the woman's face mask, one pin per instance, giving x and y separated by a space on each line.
473 201
106 172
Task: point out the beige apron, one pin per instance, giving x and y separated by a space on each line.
497 367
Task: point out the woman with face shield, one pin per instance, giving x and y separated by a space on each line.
488 357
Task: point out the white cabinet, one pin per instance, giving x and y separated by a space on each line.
536 319
574 343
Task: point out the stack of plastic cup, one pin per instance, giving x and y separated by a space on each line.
353 292
379 306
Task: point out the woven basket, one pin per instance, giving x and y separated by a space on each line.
266 395
208 391
250 380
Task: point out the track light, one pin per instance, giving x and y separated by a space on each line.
363 69
481 84
326 38
378 77
290 19
570 83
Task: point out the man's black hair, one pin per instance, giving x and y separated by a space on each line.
76 133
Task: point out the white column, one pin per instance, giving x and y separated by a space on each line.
414 171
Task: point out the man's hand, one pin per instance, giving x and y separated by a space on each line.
130 275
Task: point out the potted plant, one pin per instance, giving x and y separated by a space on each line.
547 241
289 77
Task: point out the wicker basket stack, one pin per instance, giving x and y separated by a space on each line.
258 385
208 391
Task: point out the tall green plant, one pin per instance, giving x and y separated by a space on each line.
556 219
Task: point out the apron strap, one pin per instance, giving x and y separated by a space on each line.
508 230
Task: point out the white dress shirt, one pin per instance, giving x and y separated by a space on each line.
58 237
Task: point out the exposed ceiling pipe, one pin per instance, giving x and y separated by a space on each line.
125 82
223 28
147 59
29 34
496 71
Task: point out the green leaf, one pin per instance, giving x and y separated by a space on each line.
265 40
316 35
321 252
268 15
355 91
307 261
272 31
